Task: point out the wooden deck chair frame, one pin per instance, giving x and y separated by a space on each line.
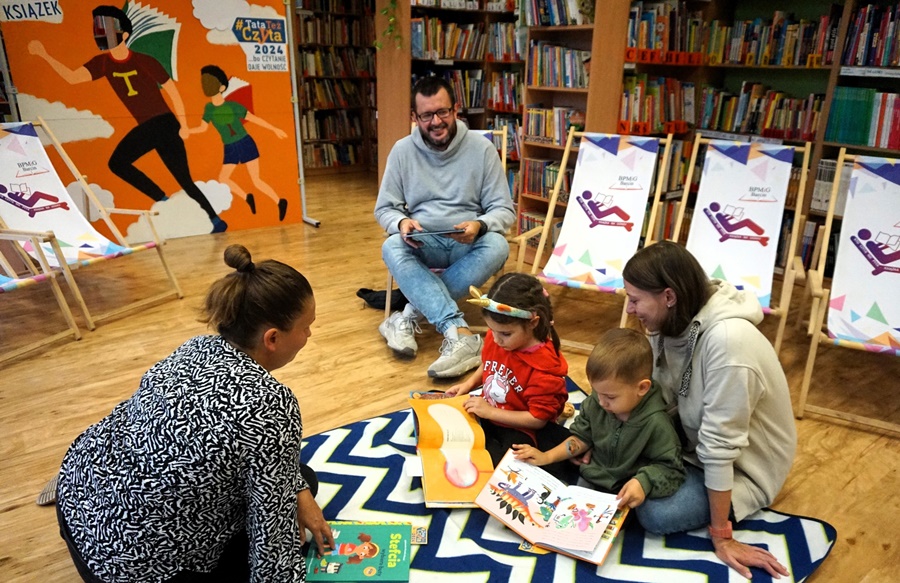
498 133
818 312
66 268
545 230
792 269
42 272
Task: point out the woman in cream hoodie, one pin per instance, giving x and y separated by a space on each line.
724 379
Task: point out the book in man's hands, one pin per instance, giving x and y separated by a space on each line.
450 443
364 551
579 522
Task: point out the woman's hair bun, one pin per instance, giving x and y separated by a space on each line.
238 258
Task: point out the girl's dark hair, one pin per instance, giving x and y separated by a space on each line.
255 296
520 290
429 86
216 72
669 265
621 354
113 12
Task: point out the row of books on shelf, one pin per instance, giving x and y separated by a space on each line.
505 91
539 178
342 6
551 125
497 122
330 29
329 93
656 104
338 62
761 111
430 38
807 251
529 220
335 125
668 28
864 116
552 12
873 39
551 65
328 155
468 87
505 42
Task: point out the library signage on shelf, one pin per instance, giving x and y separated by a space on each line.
870 72
263 41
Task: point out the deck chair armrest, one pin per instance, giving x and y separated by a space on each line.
132 212
799 270
522 237
19 235
814 277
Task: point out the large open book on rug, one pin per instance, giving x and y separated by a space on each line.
450 443
575 521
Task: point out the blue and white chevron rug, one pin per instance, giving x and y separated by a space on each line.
360 468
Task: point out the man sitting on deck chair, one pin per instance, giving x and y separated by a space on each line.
438 178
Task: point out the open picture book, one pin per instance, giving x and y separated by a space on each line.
579 522
450 443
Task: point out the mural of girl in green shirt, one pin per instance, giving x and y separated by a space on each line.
227 117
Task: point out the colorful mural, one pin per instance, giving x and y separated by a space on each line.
129 91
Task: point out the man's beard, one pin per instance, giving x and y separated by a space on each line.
443 143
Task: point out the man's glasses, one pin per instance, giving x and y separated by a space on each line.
429 115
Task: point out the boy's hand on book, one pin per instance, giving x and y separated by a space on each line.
631 495
530 454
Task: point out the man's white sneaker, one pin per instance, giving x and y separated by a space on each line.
457 357
400 334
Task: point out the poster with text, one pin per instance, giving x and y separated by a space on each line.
181 107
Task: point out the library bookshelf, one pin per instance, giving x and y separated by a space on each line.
337 81
820 72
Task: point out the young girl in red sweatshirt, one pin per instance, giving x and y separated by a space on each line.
522 375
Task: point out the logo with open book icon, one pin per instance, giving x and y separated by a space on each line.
732 219
880 252
598 207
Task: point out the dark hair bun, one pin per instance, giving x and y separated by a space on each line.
238 258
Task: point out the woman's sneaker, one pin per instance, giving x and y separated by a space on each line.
457 357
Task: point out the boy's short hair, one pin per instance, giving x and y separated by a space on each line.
622 354
114 12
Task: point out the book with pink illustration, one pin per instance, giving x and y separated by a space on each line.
578 522
450 443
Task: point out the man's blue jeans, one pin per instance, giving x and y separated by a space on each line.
435 294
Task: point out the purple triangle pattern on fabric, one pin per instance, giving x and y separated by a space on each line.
26 129
737 152
886 168
647 144
781 153
608 142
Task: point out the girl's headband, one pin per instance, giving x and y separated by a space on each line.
490 305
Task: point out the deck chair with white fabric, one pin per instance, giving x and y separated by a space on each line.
498 137
739 213
33 198
11 280
602 226
861 306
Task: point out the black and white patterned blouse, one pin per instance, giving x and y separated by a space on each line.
208 445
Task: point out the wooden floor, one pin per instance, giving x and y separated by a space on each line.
848 477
